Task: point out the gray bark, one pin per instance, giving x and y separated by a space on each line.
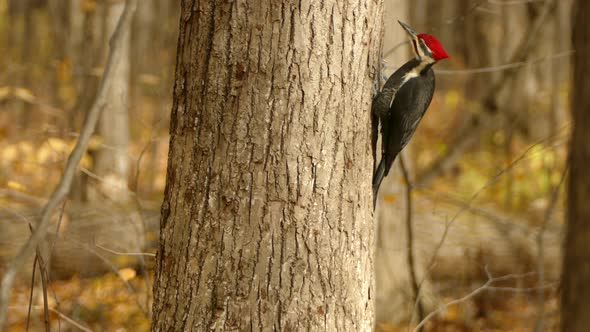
112 159
266 221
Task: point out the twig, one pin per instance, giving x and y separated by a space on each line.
107 182
61 315
410 239
484 287
22 196
511 2
113 268
125 253
524 289
65 183
58 226
469 136
146 275
498 221
394 48
468 204
539 326
503 67
31 293
520 55
471 10
43 273
518 59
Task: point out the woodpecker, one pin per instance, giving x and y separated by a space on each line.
402 102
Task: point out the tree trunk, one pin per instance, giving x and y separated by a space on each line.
394 296
112 159
576 267
266 221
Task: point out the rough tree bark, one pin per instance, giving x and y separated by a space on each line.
266 221
576 267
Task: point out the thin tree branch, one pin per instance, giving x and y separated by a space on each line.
490 100
468 204
31 293
507 66
539 326
61 315
410 239
497 220
29 199
520 55
511 2
468 138
38 262
113 268
470 11
63 188
477 291
124 253
524 289
43 273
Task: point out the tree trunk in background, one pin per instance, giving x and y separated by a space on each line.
576 267
61 25
112 158
394 296
110 222
85 56
27 42
266 221
482 35
146 42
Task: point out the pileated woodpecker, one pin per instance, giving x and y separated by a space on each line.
402 102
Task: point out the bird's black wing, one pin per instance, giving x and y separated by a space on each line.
406 111
382 102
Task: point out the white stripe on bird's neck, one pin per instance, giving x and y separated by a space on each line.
423 54
415 72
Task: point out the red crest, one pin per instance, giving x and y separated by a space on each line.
438 52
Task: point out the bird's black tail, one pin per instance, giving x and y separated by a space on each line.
377 179
380 173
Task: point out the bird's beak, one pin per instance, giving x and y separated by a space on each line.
409 30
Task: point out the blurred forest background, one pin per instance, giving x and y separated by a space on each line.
484 183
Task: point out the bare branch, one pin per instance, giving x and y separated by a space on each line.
125 253
490 100
61 315
541 250
520 55
43 273
507 66
512 2
65 183
477 291
113 268
499 221
468 204
410 239
29 199
31 293
468 138
471 10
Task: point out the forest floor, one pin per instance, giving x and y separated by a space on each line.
106 303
